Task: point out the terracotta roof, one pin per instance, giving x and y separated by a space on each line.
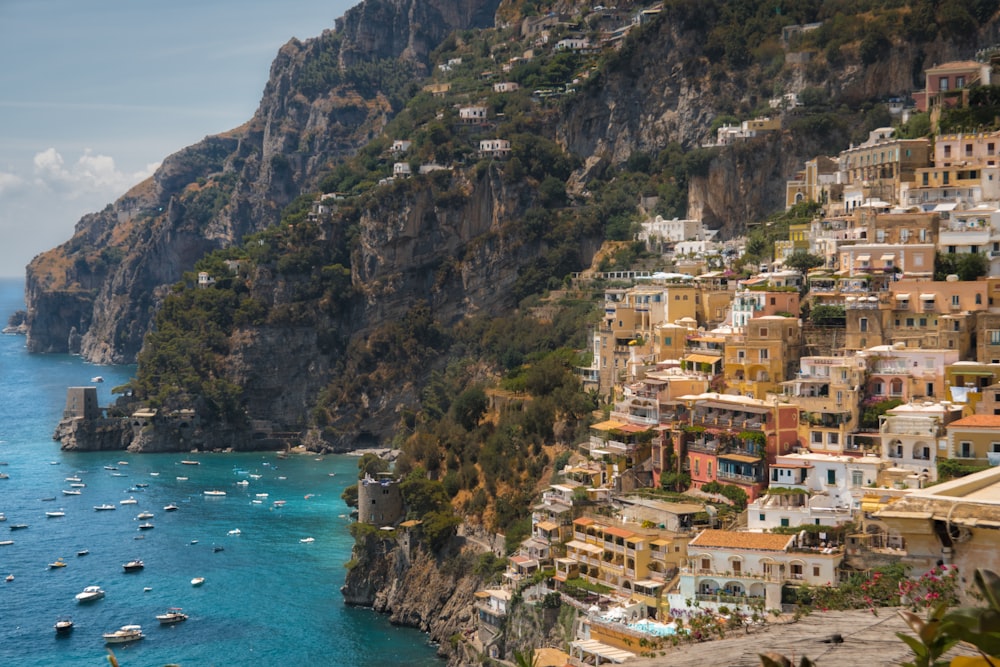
976 420
618 532
584 521
728 539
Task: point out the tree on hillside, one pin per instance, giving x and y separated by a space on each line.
803 261
966 265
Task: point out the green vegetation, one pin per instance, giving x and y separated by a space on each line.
967 266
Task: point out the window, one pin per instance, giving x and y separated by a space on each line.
737 567
947 150
668 340
796 570
965 450
909 321
960 83
706 563
943 86
763 355
696 467
995 337
923 321
816 438
773 300
954 301
857 478
784 521
979 299
990 148
815 570
833 438
708 469
763 332
923 235
968 147
761 517
863 324
831 476
904 234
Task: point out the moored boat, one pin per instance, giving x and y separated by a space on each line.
19 526
172 615
89 594
57 564
198 581
146 526
63 625
170 508
126 633
56 514
104 508
133 565
214 492
71 492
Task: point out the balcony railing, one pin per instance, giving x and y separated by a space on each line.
745 479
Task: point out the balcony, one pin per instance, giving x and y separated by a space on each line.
736 477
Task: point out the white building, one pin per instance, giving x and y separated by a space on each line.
506 87
401 169
813 489
401 145
671 231
494 147
727 568
472 115
913 434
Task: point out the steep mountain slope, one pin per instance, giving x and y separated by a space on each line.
347 310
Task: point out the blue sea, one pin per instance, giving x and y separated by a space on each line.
268 597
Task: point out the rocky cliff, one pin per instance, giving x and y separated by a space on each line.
418 589
96 294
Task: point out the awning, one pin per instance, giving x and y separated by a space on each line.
702 358
950 206
740 457
577 545
649 583
928 297
903 297
609 425
547 525
888 257
863 258
633 428
601 650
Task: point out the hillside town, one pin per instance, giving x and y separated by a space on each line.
810 423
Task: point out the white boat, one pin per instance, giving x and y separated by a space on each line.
63 625
77 485
126 633
182 479
215 493
71 492
83 552
6 543
133 565
170 508
73 479
191 463
198 581
97 378
154 474
172 615
128 501
144 515
261 495
104 508
4 475
3 517
235 531
307 540
55 515
10 578
146 526
253 476
243 482
89 594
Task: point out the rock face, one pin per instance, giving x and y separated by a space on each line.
108 280
415 588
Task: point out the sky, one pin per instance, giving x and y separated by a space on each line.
95 93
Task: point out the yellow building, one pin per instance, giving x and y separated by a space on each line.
974 440
767 354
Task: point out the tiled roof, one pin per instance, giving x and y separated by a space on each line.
727 539
977 421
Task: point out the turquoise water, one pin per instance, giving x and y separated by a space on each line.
268 598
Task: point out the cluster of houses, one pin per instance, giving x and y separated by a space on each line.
718 381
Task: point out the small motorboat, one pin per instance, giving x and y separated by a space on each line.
3 517
73 479
218 548
144 515
56 514
307 540
133 565
4 475
128 501
172 615
215 492
147 589
182 479
146 526
126 633
261 495
10 578
110 468
96 379
191 463
106 507
63 625
6 543
77 485
83 552
71 492
243 482
143 485
19 526
56 565
170 508
154 474
89 594
47 499
198 581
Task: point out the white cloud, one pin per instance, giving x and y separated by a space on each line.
90 175
10 182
